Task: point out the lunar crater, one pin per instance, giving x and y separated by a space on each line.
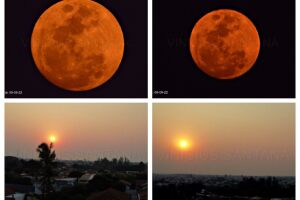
67 8
216 17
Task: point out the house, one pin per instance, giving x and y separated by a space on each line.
85 178
61 183
17 192
109 194
58 185
16 196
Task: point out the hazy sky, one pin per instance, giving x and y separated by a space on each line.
236 139
83 131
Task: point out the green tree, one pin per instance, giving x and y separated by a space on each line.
47 159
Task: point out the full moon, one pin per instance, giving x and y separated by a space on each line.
224 44
77 44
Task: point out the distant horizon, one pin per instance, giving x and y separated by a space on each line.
131 161
170 174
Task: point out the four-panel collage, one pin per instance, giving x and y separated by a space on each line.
149 99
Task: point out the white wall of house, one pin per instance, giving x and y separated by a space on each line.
17 196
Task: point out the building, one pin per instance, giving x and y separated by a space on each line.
17 192
61 183
85 178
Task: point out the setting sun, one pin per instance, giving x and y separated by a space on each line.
52 139
183 144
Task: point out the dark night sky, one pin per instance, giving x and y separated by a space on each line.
273 75
21 74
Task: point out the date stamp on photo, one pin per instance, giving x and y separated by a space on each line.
14 92
161 92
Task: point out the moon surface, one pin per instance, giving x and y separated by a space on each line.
224 44
77 44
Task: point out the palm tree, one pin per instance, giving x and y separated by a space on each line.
47 156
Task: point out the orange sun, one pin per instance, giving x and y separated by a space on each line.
183 144
52 138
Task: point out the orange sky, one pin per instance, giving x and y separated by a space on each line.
83 131
237 139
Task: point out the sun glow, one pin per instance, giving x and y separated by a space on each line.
183 144
52 138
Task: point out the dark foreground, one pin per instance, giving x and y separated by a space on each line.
102 179
200 187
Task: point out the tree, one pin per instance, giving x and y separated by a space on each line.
47 157
142 166
114 163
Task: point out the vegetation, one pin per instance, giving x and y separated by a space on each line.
47 157
121 164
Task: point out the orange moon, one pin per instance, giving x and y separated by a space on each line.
224 44
77 44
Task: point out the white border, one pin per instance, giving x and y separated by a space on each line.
2 139
297 101
150 100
